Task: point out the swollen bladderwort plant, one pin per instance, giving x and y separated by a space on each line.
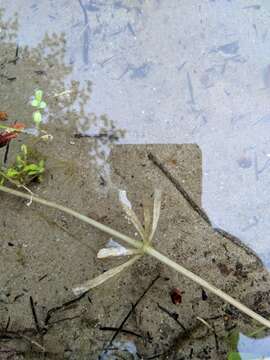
138 247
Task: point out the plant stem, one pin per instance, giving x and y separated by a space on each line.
136 243
197 279
148 250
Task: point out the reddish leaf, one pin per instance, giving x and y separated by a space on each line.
11 133
176 296
6 137
18 126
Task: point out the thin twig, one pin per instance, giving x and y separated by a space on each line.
32 305
62 307
179 187
133 307
6 153
173 315
7 324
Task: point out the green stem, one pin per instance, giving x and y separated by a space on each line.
148 250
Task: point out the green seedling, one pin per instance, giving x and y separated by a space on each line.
40 105
37 101
24 170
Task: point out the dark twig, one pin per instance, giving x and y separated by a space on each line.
7 324
16 55
172 315
7 149
6 153
62 307
110 135
133 307
180 188
199 210
34 315
42 277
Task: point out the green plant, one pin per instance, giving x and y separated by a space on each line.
232 340
141 248
40 105
23 171
234 355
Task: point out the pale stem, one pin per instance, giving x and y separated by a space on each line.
148 250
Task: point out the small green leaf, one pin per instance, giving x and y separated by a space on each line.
42 105
234 356
37 118
233 339
30 173
31 167
38 95
11 173
34 103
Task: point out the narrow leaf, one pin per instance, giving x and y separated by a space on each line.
103 277
112 252
156 213
113 248
130 213
147 219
